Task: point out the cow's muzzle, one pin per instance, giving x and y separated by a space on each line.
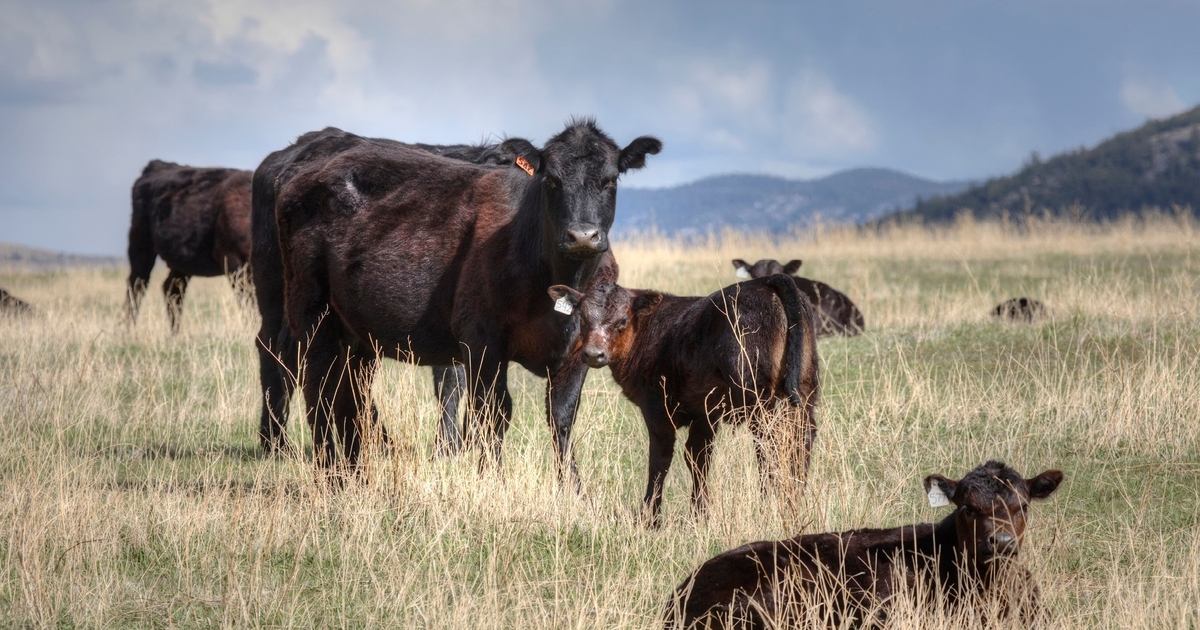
583 241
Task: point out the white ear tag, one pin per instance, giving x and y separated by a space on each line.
937 498
743 273
563 305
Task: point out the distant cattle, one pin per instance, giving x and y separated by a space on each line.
849 578
836 313
196 219
1020 309
387 250
694 361
12 305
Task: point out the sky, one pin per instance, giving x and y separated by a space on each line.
91 90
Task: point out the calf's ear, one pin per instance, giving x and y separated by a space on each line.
742 268
1044 484
522 148
940 490
792 267
634 155
560 291
645 302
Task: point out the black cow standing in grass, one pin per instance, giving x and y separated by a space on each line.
965 559
695 361
279 361
196 219
836 314
387 250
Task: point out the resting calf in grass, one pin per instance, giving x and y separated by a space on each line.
849 578
692 361
836 314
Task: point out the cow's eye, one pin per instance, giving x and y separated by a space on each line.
608 184
551 183
620 324
970 511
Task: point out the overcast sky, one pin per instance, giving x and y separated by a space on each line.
92 90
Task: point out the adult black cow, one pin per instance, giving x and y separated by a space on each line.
196 219
279 359
387 250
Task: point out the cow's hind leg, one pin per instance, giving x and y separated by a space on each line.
491 404
278 363
141 264
336 391
448 384
173 289
698 451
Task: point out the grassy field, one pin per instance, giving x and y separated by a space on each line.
133 494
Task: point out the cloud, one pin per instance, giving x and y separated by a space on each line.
1150 98
819 118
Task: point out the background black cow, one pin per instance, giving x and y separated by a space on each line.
196 219
388 250
836 314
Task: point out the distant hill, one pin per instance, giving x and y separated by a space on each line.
12 254
1157 164
775 204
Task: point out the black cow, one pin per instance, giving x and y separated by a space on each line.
849 578
12 305
196 219
1020 309
836 313
695 361
387 250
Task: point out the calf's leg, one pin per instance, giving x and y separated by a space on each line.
448 385
698 450
662 450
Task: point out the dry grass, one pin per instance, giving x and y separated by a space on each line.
132 492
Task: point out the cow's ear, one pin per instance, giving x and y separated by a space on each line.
792 267
940 490
741 269
525 156
1044 484
634 155
645 302
562 291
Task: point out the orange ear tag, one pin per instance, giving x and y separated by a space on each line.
524 165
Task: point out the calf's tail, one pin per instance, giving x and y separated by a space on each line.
801 340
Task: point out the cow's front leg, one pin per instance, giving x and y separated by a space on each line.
563 392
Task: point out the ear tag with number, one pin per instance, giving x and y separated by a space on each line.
937 498
743 273
563 305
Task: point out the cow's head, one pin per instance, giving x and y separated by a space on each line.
991 504
577 171
763 268
610 317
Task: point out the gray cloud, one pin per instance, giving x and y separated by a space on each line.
91 91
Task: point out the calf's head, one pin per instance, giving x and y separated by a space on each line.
991 504
610 317
763 268
577 171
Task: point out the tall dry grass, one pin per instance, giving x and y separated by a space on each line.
132 492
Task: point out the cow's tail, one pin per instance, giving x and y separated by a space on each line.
801 341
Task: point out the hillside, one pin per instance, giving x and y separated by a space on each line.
12 254
774 204
1157 164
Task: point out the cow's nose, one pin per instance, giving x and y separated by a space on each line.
585 237
596 358
1003 543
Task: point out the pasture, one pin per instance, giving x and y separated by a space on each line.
133 492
